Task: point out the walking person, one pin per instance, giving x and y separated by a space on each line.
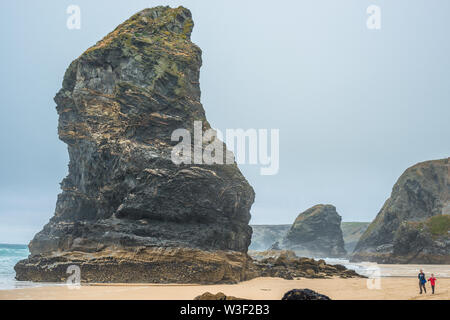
432 282
422 281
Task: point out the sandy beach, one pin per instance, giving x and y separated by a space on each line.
397 288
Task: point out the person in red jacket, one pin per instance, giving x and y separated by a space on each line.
432 282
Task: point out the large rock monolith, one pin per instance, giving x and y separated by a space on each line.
127 211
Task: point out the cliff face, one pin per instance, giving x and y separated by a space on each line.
351 232
317 232
120 102
403 232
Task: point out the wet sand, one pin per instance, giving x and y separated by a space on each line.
398 288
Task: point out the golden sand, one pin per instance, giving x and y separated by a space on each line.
405 288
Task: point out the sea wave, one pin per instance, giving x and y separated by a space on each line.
10 254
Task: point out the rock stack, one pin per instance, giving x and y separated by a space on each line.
127 212
317 233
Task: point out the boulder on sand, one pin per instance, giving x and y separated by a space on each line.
304 294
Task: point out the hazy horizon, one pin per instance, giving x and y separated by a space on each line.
355 107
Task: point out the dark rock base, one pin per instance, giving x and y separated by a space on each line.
217 296
304 294
285 264
173 265
158 265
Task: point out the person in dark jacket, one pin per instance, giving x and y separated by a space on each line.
422 281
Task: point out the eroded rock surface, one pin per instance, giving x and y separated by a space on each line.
120 102
413 225
285 264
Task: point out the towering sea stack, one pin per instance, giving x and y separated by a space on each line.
127 212
317 232
414 224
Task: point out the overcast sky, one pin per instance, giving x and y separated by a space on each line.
355 107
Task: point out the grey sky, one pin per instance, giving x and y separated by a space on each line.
355 107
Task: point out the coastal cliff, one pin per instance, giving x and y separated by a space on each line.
127 212
352 232
414 224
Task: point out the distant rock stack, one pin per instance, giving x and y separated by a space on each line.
127 213
414 224
317 233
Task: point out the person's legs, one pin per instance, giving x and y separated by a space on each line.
432 289
422 286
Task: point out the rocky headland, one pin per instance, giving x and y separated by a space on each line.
413 225
127 212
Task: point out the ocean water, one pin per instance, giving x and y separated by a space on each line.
10 254
370 269
357 267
